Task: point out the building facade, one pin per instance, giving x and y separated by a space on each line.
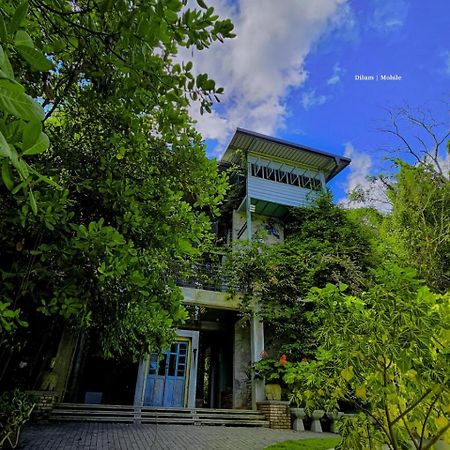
208 364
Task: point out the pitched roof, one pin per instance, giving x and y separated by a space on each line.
270 147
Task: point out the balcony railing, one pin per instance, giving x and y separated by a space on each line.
208 276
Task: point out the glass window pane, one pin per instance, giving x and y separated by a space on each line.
183 348
162 366
172 365
153 364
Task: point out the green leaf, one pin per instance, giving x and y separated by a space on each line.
11 85
5 64
347 374
45 179
31 133
22 38
35 58
19 16
21 185
6 174
202 4
20 105
32 201
22 168
3 30
40 146
5 151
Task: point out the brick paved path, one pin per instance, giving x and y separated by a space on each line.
105 436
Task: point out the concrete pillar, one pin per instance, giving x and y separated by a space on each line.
241 360
257 347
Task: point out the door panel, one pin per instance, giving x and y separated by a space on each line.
167 377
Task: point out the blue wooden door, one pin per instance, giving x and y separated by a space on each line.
167 377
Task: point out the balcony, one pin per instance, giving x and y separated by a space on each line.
206 276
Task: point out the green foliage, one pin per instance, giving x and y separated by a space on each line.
386 353
15 410
271 370
127 188
420 222
20 114
324 244
122 49
9 318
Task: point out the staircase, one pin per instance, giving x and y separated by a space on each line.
78 412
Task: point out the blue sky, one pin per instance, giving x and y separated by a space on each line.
291 73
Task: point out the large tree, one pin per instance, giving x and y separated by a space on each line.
323 244
416 187
90 226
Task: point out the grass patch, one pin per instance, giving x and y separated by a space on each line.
306 444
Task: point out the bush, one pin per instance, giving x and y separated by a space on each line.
15 410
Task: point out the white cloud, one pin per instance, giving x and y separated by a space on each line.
357 179
389 15
359 167
336 75
444 164
309 99
263 63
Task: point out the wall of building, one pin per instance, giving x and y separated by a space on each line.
278 192
270 228
282 194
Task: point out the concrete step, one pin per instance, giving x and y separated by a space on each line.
162 420
85 406
65 412
115 413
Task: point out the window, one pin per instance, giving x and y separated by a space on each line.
280 176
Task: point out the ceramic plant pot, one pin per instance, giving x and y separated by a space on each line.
273 391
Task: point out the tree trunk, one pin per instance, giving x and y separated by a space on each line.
64 360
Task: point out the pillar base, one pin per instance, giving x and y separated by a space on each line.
277 412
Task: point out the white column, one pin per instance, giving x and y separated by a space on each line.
257 346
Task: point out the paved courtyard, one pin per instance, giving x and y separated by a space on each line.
106 436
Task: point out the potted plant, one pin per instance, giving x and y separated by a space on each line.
272 371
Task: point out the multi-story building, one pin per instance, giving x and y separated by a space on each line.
208 365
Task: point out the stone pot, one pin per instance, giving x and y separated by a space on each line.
299 414
272 391
334 417
316 426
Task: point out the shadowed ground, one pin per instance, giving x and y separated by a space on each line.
106 436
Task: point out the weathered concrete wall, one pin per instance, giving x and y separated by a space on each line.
241 361
211 299
271 228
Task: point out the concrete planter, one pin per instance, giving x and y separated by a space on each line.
299 414
272 391
316 426
334 417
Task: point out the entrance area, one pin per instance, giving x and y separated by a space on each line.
205 367
198 370
167 377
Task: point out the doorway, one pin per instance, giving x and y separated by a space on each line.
168 379
168 376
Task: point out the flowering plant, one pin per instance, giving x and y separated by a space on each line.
270 369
